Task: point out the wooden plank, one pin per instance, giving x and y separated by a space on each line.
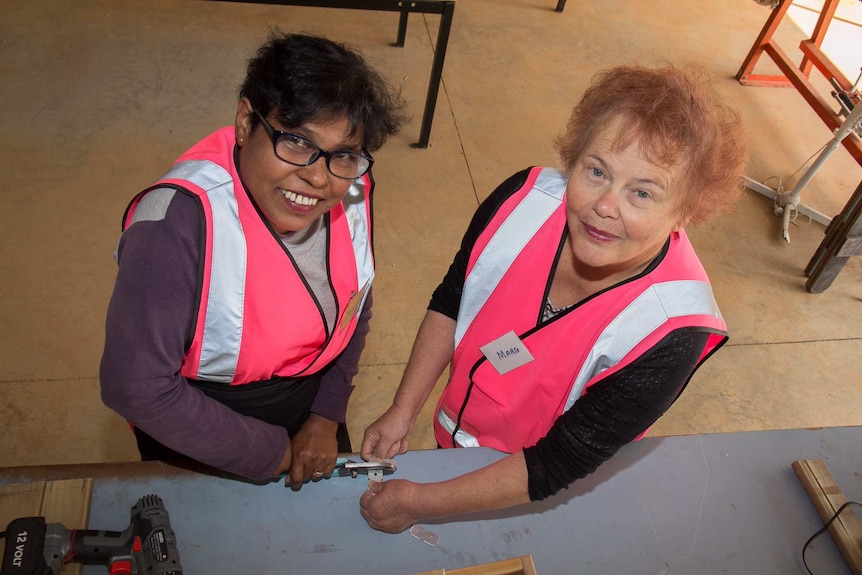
518 566
66 502
20 500
827 498
831 255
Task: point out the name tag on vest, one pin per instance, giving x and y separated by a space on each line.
352 307
506 353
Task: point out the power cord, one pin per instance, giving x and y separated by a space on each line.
823 529
779 188
805 163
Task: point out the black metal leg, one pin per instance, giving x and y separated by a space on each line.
436 74
560 5
402 29
843 240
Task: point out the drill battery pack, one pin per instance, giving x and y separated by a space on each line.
25 540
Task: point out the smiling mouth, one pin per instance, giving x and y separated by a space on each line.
298 199
598 234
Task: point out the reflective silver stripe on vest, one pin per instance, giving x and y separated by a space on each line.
644 315
223 323
360 234
508 241
641 317
153 206
463 438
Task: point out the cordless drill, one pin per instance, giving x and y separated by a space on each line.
146 547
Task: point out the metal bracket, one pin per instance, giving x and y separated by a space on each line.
375 470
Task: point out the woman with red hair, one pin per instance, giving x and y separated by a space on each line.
576 310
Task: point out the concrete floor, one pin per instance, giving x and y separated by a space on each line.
98 100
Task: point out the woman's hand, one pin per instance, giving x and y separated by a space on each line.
432 352
387 437
396 504
386 505
314 450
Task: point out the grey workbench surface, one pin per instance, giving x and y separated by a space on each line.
722 503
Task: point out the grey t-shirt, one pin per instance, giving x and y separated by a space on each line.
308 248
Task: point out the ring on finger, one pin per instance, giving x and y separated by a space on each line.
318 474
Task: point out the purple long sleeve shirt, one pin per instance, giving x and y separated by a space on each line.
148 327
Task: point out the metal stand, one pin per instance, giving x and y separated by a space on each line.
786 204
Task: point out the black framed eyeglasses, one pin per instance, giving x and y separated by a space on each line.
299 151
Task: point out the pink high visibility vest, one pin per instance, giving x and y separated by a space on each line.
257 318
504 291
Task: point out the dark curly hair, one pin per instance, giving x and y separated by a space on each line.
679 121
310 79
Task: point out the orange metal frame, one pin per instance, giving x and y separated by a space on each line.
798 76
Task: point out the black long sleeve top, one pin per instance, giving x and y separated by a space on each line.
148 324
615 410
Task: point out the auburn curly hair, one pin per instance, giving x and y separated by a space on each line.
678 120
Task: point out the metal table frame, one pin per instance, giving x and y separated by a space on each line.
446 9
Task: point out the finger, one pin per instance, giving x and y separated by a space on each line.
297 476
318 468
329 467
368 519
388 452
369 444
381 448
367 500
323 467
396 448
